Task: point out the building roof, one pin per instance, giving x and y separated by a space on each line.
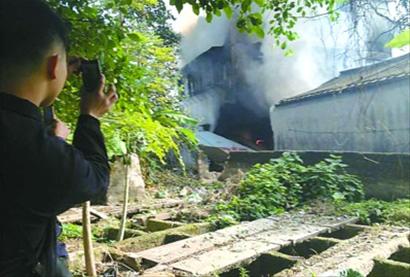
210 139
396 68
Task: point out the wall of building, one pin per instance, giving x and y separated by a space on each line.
205 107
209 70
375 118
220 98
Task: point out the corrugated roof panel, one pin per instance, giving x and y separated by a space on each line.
213 140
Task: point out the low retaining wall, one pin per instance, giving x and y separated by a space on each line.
385 175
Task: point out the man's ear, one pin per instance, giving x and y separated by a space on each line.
52 65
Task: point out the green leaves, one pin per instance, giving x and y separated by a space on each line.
135 36
208 17
401 40
147 118
117 147
260 33
252 15
178 4
371 211
350 273
286 183
195 8
228 11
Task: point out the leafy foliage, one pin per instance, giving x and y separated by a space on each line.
279 18
147 119
377 211
250 13
401 40
70 231
350 273
243 272
286 183
157 18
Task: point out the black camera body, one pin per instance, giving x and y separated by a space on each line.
91 74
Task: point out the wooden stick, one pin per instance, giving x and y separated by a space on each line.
121 231
87 241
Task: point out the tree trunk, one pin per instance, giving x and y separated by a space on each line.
87 241
121 231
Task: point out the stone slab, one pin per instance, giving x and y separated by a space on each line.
357 253
184 248
216 251
229 256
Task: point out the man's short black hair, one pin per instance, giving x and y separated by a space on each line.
28 29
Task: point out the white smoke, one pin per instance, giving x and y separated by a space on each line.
198 40
322 51
281 76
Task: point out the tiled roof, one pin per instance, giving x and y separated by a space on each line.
396 68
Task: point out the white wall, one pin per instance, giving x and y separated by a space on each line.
371 119
205 107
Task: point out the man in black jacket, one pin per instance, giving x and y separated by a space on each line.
40 174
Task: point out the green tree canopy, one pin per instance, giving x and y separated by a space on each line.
147 118
281 16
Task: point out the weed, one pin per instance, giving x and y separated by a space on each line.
243 272
70 231
286 183
377 211
350 273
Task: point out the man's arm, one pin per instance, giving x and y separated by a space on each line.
89 140
53 175
46 175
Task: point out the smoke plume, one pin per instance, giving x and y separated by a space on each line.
323 49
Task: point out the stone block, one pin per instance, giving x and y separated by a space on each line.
154 225
115 194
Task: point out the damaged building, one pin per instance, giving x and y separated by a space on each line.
219 97
365 109
231 87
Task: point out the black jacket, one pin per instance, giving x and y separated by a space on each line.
41 176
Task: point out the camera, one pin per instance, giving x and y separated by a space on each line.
91 74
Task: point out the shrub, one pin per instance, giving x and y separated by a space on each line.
377 211
285 183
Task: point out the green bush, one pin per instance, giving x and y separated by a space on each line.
131 40
285 183
377 211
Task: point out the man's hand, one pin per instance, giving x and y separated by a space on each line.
60 129
97 103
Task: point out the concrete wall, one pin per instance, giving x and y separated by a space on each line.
375 118
385 176
205 107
